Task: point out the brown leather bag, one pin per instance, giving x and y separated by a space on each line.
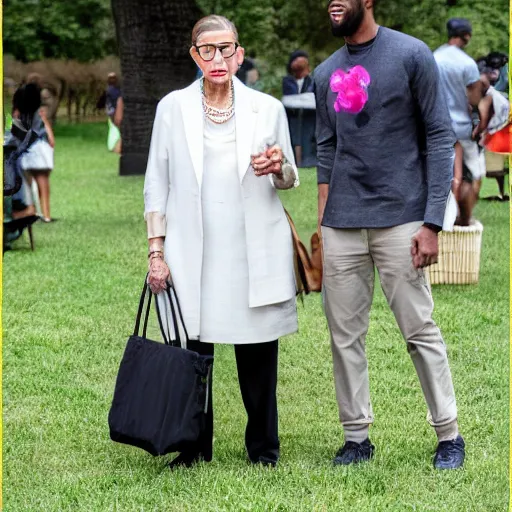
308 270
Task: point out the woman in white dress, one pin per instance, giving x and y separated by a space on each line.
219 151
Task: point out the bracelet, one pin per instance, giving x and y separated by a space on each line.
156 251
161 258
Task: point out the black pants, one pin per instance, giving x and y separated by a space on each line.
257 376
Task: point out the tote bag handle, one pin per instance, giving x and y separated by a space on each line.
176 317
145 291
171 291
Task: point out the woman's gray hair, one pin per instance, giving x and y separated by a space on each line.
212 23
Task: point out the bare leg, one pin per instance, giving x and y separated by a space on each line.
26 212
477 185
467 201
501 185
43 184
457 170
118 148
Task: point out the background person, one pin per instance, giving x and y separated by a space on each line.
298 98
215 220
114 107
248 72
493 132
37 162
462 88
49 96
499 62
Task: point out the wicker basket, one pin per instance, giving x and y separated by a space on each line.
459 256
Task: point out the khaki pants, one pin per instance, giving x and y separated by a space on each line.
350 256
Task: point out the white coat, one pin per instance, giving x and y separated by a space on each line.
172 190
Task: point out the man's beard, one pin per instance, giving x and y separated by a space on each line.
350 24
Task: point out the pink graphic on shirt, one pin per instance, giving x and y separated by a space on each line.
352 89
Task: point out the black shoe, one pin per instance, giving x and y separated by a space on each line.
265 461
450 454
353 453
185 460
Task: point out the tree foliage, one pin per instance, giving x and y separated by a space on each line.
60 29
270 29
426 20
273 28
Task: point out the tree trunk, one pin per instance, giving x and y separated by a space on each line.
69 104
77 105
154 43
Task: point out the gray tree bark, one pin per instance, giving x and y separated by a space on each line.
154 39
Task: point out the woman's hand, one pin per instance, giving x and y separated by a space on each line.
159 273
475 135
47 126
269 161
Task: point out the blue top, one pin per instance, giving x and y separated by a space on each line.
457 70
393 162
113 94
291 86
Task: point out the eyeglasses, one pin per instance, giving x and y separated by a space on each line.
207 52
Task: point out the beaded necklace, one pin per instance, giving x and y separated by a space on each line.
218 115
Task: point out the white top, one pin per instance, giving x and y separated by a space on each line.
225 313
303 100
501 108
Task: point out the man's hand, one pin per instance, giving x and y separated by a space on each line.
159 274
425 248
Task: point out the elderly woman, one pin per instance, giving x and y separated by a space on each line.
219 151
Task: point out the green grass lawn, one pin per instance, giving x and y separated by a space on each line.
69 308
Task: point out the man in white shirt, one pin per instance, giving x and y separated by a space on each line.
460 82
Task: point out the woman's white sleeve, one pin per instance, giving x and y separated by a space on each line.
290 175
156 183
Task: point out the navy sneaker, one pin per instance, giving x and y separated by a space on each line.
353 453
450 454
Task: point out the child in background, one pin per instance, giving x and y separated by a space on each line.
493 132
38 163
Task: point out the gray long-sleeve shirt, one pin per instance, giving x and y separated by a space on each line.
393 162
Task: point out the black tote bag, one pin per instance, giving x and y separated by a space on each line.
161 393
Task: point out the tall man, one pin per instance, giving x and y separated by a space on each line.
461 85
385 153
